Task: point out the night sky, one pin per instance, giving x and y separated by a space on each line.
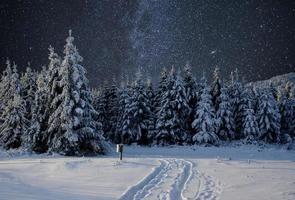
117 36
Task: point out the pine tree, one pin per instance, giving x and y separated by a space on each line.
110 101
250 129
150 93
162 89
190 87
287 111
5 93
35 138
122 94
216 88
141 110
236 95
173 113
99 106
126 132
53 91
75 130
152 117
268 117
224 117
28 90
13 117
203 123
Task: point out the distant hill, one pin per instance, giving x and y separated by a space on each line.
276 81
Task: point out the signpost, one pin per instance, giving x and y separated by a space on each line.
120 150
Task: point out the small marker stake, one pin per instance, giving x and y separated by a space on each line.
120 150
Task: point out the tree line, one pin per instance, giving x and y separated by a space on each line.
182 110
55 110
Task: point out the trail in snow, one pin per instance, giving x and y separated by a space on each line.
175 179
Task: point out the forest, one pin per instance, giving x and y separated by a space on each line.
56 111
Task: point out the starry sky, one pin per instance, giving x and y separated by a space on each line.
115 37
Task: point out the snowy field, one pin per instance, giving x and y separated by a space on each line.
228 173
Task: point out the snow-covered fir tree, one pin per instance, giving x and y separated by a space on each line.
122 94
110 101
236 92
225 125
204 122
216 88
269 117
10 84
287 109
75 130
53 76
35 138
150 93
125 129
5 93
52 90
250 129
100 106
173 113
190 87
152 117
28 90
14 121
162 88
141 110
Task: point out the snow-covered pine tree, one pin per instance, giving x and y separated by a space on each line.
28 90
53 90
99 105
122 94
110 100
162 88
53 76
287 109
150 93
250 129
190 87
254 94
216 88
125 129
75 130
173 113
35 138
5 94
14 87
269 117
141 110
273 90
224 116
236 92
181 108
204 124
14 121
152 117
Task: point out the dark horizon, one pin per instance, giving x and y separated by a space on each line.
116 37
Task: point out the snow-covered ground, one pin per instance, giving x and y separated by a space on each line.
228 173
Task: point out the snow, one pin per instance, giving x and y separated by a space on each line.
176 172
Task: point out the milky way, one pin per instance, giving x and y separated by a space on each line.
116 37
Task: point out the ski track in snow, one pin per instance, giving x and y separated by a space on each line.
175 179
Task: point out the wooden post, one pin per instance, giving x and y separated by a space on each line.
120 150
